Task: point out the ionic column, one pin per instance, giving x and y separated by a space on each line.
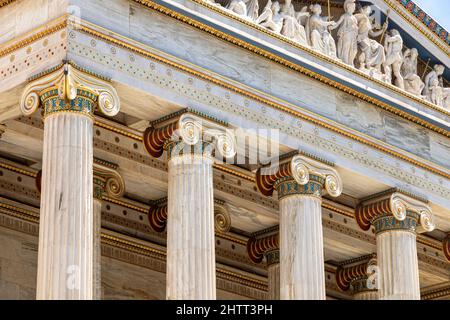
97 263
268 247
107 183
360 277
273 270
65 257
191 143
396 218
300 182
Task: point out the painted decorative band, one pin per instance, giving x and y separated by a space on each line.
390 223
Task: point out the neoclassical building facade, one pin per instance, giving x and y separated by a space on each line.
200 149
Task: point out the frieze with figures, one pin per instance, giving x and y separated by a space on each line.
354 43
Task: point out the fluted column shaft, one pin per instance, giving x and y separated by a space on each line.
65 256
273 270
97 275
190 229
366 295
302 275
399 269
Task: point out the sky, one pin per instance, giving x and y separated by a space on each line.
438 9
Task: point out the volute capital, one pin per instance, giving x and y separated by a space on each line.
190 128
66 88
399 206
303 170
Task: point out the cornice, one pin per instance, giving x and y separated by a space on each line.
420 25
34 35
273 103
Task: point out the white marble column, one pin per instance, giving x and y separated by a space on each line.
300 182
191 267
302 268
273 270
65 256
68 98
97 273
396 218
399 268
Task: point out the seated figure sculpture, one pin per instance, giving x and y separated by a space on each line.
413 83
271 18
238 7
292 28
432 93
371 50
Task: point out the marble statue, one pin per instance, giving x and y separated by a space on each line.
412 82
319 37
347 34
436 93
292 27
439 96
271 18
393 44
372 52
238 7
253 9
435 74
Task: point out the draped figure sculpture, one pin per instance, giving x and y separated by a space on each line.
347 34
434 90
292 28
238 7
393 44
372 52
413 83
319 37
253 9
271 18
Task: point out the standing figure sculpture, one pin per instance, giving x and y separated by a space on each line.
292 28
318 34
372 52
393 44
271 18
347 34
253 9
440 97
413 83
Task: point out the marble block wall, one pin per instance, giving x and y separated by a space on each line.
18 265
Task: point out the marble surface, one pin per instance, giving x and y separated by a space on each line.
399 269
190 229
66 244
274 281
302 275
18 265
